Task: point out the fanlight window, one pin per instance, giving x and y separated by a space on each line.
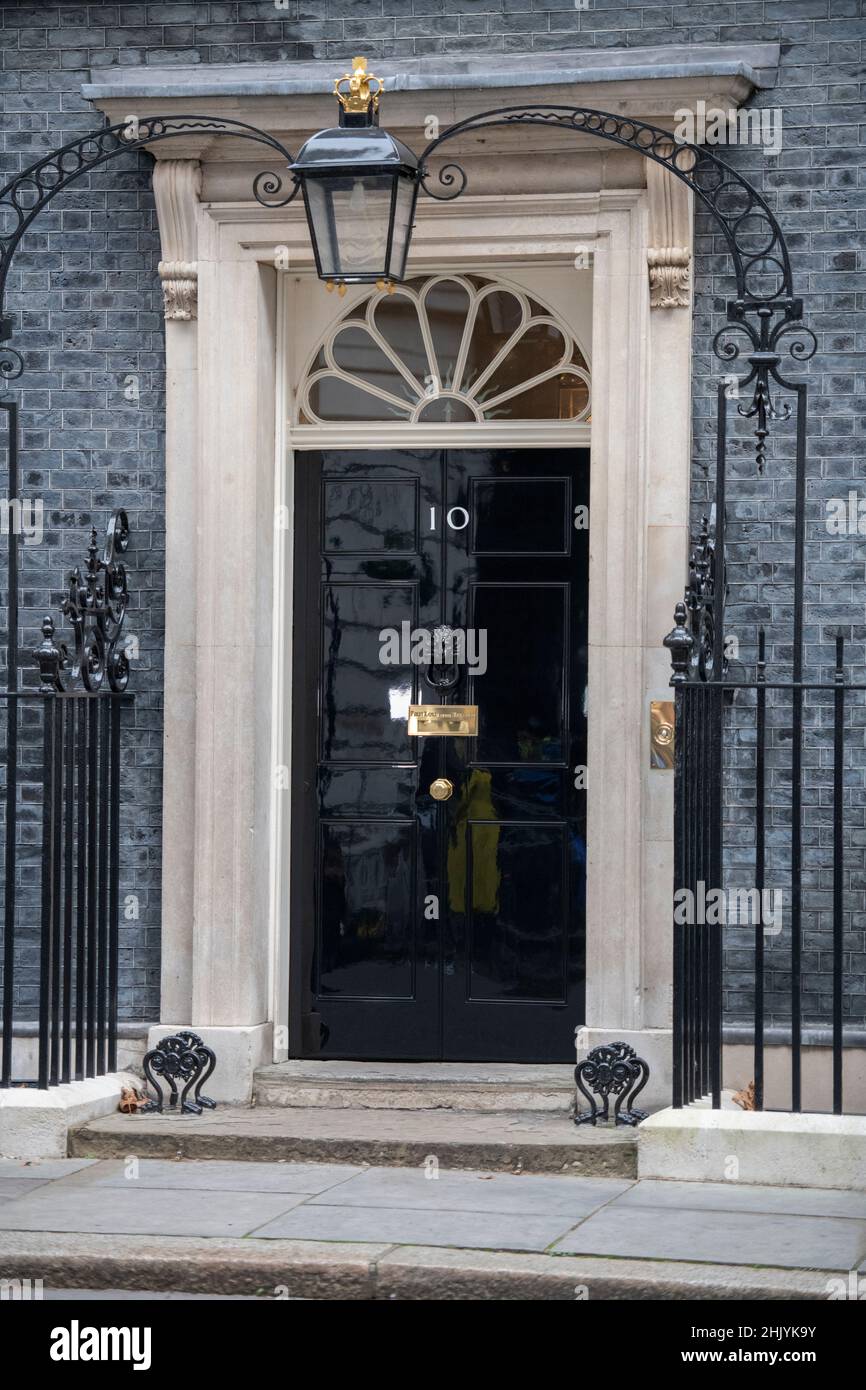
451 349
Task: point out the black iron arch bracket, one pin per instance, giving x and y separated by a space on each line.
765 313
758 250
24 197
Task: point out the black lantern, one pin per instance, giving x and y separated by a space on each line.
360 186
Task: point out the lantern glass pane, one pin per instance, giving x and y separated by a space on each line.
403 210
349 217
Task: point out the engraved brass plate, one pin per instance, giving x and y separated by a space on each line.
662 733
443 721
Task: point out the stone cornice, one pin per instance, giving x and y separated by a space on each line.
755 64
291 100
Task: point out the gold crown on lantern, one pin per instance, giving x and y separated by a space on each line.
354 90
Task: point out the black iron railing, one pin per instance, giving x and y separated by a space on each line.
62 834
70 839
764 759
697 969
744 891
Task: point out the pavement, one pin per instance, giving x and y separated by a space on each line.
325 1230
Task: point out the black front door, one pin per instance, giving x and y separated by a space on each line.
440 929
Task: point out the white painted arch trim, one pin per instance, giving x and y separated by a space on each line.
480 434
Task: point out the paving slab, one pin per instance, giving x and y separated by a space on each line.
519 1193
623 1233
15 1187
127 1211
517 1141
42 1170
735 1196
403 1226
208 1175
719 1237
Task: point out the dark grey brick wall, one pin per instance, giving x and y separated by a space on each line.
86 290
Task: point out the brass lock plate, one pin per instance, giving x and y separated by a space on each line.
443 721
662 734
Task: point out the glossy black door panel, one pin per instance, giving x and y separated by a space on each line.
366 947
452 929
522 696
354 792
364 703
517 516
366 516
516 903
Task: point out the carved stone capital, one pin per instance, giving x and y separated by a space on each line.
670 238
668 276
176 188
179 288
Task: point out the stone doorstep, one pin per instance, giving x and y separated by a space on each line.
515 1142
416 1086
338 1271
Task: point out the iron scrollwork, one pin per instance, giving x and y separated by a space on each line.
181 1059
612 1069
765 338
11 363
95 605
24 197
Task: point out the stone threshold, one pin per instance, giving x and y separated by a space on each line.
481 1073
492 1087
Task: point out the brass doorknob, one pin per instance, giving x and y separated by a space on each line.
441 789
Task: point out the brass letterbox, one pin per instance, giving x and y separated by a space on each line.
443 721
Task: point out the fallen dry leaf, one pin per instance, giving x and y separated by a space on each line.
746 1098
130 1100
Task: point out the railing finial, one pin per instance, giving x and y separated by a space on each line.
679 643
50 658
